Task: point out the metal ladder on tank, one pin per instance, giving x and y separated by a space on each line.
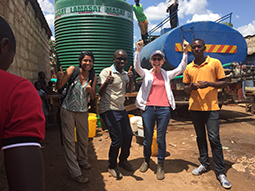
163 22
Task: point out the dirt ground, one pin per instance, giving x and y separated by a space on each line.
237 136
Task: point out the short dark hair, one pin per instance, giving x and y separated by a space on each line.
198 39
119 50
6 32
40 73
50 83
37 82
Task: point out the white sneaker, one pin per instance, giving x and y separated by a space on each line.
115 173
224 181
199 170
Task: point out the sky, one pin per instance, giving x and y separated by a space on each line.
243 17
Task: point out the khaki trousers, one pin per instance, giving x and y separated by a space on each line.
143 27
75 157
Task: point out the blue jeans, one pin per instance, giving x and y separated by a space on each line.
161 115
211 120
121 135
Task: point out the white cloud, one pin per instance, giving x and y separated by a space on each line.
48 11
247 29
192 7
50 19
196 8
205 17
46 6
237 16
156 12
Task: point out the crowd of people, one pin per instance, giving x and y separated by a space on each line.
22 124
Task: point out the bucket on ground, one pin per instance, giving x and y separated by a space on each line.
154 146
92 122
93 114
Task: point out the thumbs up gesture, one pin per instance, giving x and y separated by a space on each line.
60 74
110 78
130 73
88 87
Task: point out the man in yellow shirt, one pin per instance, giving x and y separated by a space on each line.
202 77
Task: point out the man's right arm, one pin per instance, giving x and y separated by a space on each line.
24 168
189 87
104 81
21 139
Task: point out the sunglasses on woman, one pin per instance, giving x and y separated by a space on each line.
159 59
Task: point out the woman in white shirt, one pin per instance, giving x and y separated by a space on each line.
155 98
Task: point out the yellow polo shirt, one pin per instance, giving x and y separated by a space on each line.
204 99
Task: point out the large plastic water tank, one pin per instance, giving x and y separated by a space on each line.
99 26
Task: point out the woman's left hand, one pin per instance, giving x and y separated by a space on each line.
185 45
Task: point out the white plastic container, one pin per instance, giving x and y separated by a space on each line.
133 122
140 128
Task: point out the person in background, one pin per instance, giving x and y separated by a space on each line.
113 82
172 9
41 93
202 78
156 82
41 76
22 123
142 20
74 113
50 87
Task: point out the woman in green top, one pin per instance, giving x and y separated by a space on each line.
74 113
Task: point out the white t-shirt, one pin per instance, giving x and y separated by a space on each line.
170 2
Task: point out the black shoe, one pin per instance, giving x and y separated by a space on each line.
125 164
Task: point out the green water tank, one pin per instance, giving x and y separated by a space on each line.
100 26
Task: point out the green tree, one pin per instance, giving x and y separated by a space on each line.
53 54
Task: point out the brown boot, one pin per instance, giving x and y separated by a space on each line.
146 164
160 171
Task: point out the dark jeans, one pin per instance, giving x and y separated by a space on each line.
211 120
161 115
121 135
174 17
